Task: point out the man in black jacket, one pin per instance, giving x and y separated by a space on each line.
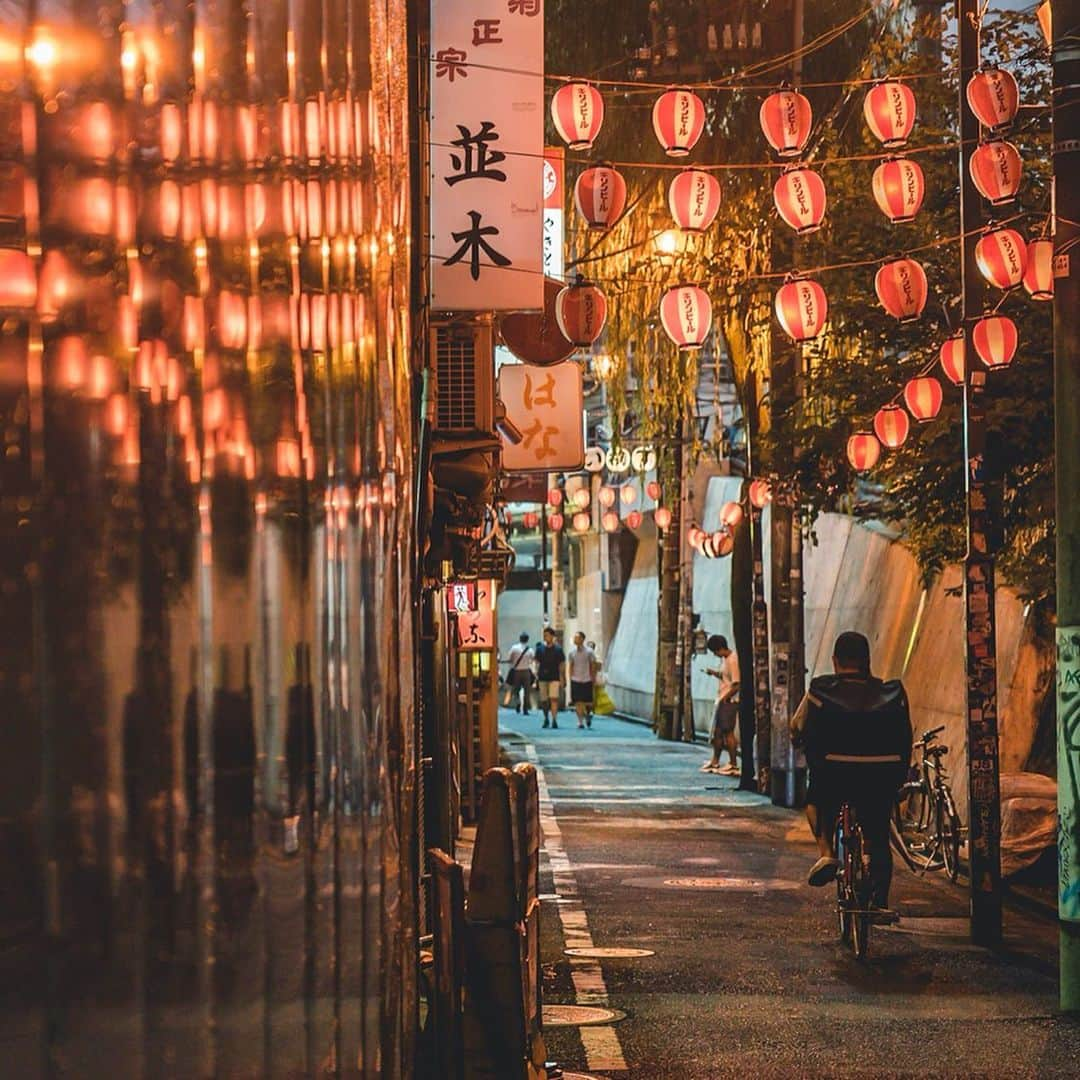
856 732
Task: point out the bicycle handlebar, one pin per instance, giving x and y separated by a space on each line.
928 735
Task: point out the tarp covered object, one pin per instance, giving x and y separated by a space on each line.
1028 819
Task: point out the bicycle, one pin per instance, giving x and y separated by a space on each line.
926 829
853 886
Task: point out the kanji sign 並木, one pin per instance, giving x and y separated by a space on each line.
485 239
545 405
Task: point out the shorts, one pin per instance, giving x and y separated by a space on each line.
581 693
550 689
725 715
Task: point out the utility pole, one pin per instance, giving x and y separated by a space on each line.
1066 55
984 795
544 582
788 673
668 677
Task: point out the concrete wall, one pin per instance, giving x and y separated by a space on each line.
858 577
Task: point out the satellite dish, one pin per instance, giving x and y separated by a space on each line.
534 336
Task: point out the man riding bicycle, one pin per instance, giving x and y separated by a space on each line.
856 732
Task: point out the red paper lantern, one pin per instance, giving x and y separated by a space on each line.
706 547
694 200
902 289
723 543
731 515
686 314
863 451
556 522
760 493
1001 256
577 111
695 536
996 170
995 340
1039 275
581 498
530 520
923 398
581 311
18 279
633 519
786 119
606 496
891 425
802 308
899 189
555 497
678 119
610 521
952 359
652 489
800 199
889 109
662 517
600 196
628 495
581 522
994 97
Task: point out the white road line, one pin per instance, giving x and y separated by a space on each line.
602 1047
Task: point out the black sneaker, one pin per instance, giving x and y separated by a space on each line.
554 723
546 724
588 721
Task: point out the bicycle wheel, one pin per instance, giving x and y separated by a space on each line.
843 900
860 889
948 830
896 838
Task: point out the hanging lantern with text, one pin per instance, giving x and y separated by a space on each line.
786 119
686 314
662 517
760 493
1001 256
800 199
996 170
889 109
902 288
581 311
863 451
801 308
731 515
994 97
610 521
606 498
899 188
923 398
634 519
1039 273
995 340
952 359
556 522
678 119
628 495
600 196
581 498
530 519
891 425
581 522
555 497
577 111
652 489
694 200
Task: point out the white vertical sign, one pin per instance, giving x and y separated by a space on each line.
554 196
486 155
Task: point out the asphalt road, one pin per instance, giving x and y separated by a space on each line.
748 976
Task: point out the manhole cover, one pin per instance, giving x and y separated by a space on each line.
579 1015
609 953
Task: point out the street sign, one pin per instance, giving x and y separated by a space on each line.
545 405
476 629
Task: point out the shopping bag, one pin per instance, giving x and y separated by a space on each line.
602 703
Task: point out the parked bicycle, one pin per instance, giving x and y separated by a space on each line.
853 888
926 829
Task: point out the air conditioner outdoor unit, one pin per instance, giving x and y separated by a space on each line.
463 358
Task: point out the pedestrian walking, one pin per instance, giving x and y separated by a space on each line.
597 682
519 677
550 669
582 663
726 710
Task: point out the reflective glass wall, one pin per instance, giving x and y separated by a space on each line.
207 776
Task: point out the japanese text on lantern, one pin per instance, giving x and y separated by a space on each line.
476 629
486 155
544 404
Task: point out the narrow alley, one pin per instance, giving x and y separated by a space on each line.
747 975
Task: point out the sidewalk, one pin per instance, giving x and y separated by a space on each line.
748 977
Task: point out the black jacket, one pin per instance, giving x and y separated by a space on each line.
856 733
